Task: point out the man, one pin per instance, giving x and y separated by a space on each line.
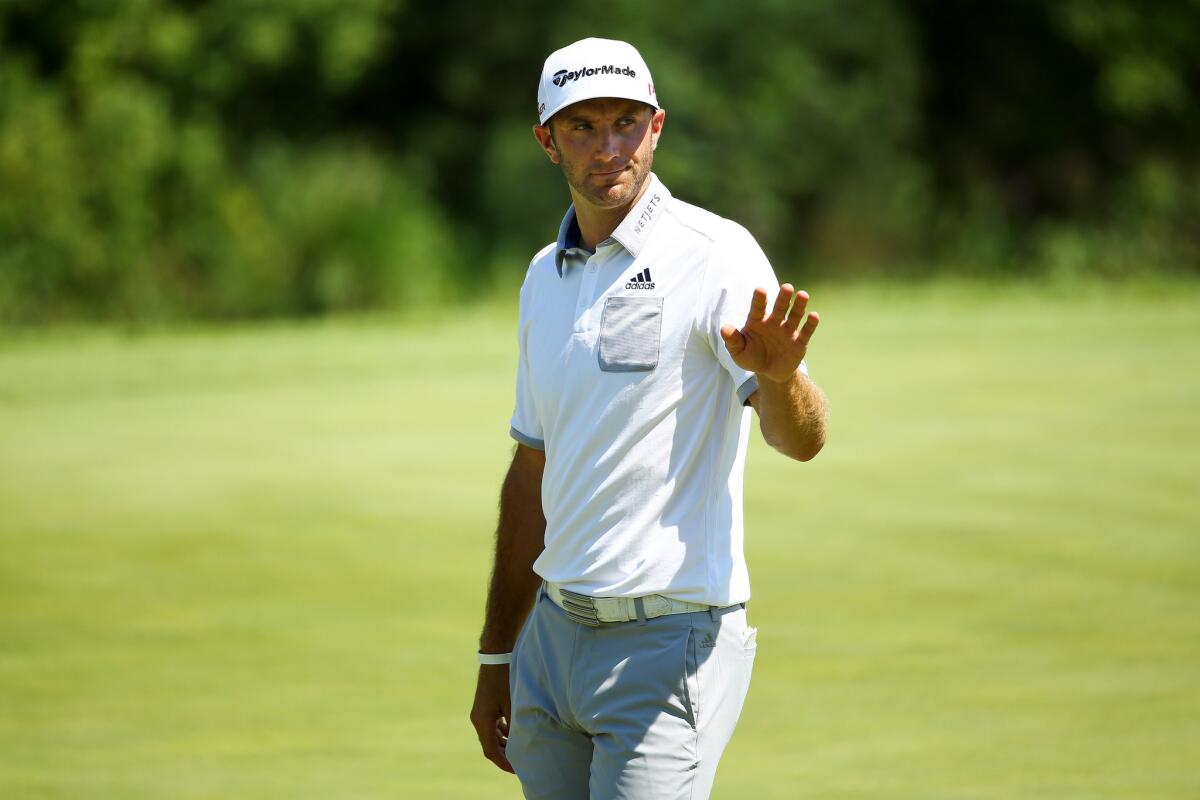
643 333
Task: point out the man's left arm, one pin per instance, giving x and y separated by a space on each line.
791 409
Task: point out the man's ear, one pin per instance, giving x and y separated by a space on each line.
546 140
656 126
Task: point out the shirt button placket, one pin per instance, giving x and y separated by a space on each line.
587 293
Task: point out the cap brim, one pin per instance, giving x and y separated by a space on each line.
573 100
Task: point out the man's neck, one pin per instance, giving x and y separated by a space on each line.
597 224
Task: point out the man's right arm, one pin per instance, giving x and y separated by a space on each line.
520 538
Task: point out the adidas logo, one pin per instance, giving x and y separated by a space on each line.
641 281
708 641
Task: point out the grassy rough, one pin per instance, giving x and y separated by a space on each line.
250 563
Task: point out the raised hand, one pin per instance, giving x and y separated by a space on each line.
773 346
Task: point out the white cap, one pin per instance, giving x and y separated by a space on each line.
593 68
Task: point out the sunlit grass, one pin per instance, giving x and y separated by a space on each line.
251 563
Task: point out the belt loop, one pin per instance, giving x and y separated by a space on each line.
712 613
639 605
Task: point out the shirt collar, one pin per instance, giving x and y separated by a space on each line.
570 239
634 230
632 233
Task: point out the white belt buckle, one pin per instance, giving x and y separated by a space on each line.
657 606
580 608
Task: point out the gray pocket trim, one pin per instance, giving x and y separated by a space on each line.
630 334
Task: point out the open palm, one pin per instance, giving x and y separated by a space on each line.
773 345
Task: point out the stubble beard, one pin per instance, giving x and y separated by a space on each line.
600 197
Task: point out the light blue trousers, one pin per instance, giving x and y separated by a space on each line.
636 710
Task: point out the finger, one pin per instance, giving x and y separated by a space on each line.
783 301
809 328
502 734
490 740
735 342
799 309
493 749
501 761
758 306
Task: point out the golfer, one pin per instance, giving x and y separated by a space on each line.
616 653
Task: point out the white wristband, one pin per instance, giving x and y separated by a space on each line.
495 658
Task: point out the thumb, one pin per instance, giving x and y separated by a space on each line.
735 342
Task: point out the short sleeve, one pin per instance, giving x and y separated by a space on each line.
526 424
737 266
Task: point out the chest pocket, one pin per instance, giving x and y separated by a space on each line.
630 334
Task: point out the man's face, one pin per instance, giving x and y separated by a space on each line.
604 146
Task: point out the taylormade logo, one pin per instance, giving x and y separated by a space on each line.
562 77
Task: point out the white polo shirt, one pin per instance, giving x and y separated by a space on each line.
625 382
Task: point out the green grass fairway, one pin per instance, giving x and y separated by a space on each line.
250 563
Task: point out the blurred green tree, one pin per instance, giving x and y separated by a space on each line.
174 158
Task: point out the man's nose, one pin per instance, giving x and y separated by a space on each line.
608 144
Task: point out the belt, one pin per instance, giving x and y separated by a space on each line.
592 611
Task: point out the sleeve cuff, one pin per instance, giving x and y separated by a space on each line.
746 389
528 441
751 385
